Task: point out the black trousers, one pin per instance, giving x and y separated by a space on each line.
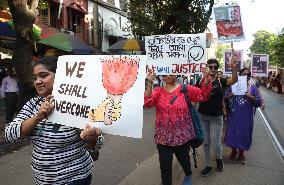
166 160
11 105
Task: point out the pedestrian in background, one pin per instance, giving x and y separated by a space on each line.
173 125
211 115
219 74
59 153
9 90
240 119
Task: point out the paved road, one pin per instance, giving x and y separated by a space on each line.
274 112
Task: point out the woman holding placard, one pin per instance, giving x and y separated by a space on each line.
174 127
59 153
240 119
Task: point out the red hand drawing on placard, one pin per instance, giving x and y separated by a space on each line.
119 75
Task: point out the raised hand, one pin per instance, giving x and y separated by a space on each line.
150 76
90 133
205 71
45 109
233 59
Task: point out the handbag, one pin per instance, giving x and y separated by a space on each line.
199 136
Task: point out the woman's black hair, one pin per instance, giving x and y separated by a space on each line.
49 62
242 70
213 61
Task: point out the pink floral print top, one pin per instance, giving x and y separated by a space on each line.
173 122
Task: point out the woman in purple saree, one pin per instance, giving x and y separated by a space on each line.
240 119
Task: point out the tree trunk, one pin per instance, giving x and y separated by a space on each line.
24 13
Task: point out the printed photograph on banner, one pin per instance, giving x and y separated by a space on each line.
105 91
229 24
178 54
227 58
259 64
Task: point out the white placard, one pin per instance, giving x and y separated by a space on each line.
176 53
241 86
112 87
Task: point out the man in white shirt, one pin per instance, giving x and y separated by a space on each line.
9 90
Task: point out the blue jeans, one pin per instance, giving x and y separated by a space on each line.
212 125
85 181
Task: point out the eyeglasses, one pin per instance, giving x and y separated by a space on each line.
213 67
246 74
167 75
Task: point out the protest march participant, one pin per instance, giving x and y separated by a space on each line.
211 114
240 119
173 125
59 153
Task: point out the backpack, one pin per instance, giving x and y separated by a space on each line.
198 140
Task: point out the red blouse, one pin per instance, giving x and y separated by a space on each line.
173 122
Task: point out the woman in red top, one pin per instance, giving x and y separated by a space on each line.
174 128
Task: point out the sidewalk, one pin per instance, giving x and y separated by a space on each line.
264 165
2 126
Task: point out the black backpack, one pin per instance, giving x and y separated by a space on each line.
196 142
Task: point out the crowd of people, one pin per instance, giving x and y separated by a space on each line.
62 154
217 104
274 81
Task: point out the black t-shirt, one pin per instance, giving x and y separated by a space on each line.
214 106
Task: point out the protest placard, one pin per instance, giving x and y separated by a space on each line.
227 61
105 91
259 64
229 24
176 53
241 86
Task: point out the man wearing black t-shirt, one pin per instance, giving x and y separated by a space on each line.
211 114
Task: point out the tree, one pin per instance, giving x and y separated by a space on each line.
220 53
150 17
263 43
24 13
278 49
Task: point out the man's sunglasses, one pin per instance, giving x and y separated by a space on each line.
213 67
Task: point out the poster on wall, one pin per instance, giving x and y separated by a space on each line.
177 54
259 64
227 61
105 91
229 24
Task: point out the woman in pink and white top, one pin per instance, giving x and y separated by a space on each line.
174 127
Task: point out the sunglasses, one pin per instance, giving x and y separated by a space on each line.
167 75
246 74
213 67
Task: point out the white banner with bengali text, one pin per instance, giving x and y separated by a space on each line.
177 54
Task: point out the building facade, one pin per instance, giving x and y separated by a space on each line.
71 18
109 23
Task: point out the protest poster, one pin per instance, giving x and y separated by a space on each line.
177 54
229 24
241 86
103 90
259 64
227 70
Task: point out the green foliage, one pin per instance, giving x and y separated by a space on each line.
3 4
263 43
150 17
220 53
43 4
278 48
